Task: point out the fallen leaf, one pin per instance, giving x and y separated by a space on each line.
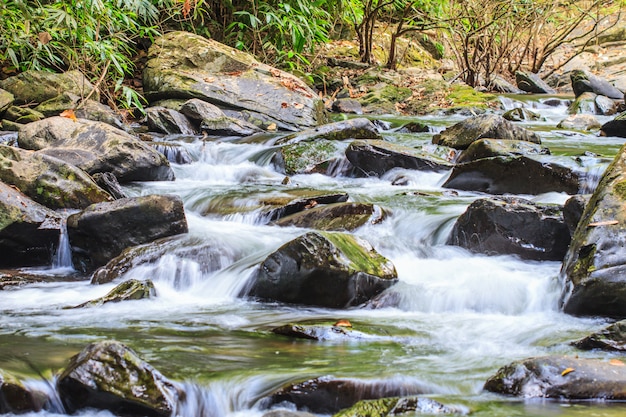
209 79
69 113
284 105
275 72
604 223
272 126
44 37
567 371
312 204
343 323
617 362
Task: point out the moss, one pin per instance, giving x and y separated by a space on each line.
620 189
302 156
361 258
370 408
465 96
585 263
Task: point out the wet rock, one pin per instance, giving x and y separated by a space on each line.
462 134
359 128
6 100
375 157
16 398
561 378
414 127
128 290
310 156
396 406
305 200
487 148
321 332
23 115
605 106
109 183
29 232
286 413
611 338
100 232
347 105
616 127
584 104
584 81
512 226
56 105
594 269
327 395
323 269
168 121
579 122
185 65
520 114
335 217
96 147
516 175
110 376
573 210
48 180
532 83
214 121
174 152
38 86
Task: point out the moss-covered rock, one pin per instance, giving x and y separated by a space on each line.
584 104
321 332
335 217
310 156
38 86
16 398
395 406
611 338
23 115
110 376
128 290
6 100
487 148
520 114
325 269
383 98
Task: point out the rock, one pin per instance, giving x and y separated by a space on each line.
584 104
594 269
513 226
48 180
38 86
304 201
561 378
359 128
584 81
214 121
307 157
23 115
611 338
347 105
383 97
573 210
109 183
56 105
462 134
413 127
286 413
487 148
8 138
520 114
16 398
616 127
532 83
515 175
98 112
29 232
96 147
334 270
6 101
605 106
501 85
579 122
335 217
128 290
174 152
100 232
321 332
327 395
110 376
168 121
396 406
375 157
185 65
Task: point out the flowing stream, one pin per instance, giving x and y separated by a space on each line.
460 316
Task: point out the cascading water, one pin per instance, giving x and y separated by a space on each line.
63 256
456 319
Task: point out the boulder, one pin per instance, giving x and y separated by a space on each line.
520 114
376 157
322 332
347 105
615 127
512 226
337 217
584 104
23 115
168 121
57 105
515 175
305 200
48 180
213 121
584 81
579 122
532 83
38 86
128 290
327 395
396 406
501 85
100 232
16 398
605 106
109 183
323 269
359 128
462 134
573 210
414 127
185 65
594 269
96 147
29 232
611 338
6 100
562 378
110 376
487 148
307 157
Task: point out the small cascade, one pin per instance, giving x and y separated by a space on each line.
63 256
53 405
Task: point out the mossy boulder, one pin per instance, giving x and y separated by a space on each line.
584 81
321 332
48 180
110 376
594 269
6 100
38 86
383 98
213 121
487 148
102 231
376 157
304 200
23 115
335 217
17 398
561 378
29 232
584 104
615 127
185 65
132 289
611 338
396 406
462 134
358 128
325 269
96 147
532 83
310 156
520 114
512 226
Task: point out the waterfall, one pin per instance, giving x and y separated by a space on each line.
63 255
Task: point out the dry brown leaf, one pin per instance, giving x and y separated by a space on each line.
617 362
44 37
567 371
209 79
275 72
343 323
604 223
284 105
69 113
272 126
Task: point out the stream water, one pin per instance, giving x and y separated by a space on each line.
461 316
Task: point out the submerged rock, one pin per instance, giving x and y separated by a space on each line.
512 226
16 398
396 406
487 148
129 290
110 376
462 134
322 332
338 217
611 338
324 269
562 378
